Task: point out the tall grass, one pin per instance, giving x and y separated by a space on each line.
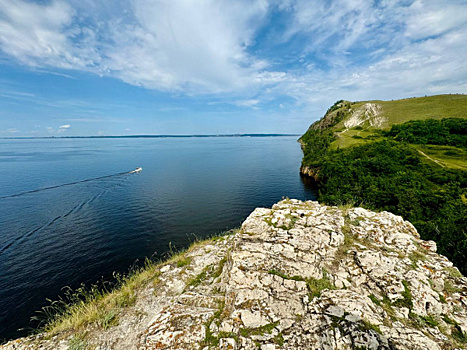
102 304
99 304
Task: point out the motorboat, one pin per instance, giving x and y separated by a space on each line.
137 170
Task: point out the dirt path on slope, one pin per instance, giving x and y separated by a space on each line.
432 159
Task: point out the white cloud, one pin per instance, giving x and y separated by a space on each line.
183 45
252 103
426 19
67 126
35 34
352 49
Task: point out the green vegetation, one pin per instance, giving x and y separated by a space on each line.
447 131
457 333
406 300
211 339
415 257
431 107
374 299
96 305
268 328
315 286
416 170
78 342
101 305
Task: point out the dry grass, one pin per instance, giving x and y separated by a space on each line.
100 306
97 305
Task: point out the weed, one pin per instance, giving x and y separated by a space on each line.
450 288
211 339
374 299
107 319
416 256
279 339
449 321
453 272
78 342
406 300
217 272
456 331
198 279
183 261
368 326
284 276
458 335
268 328
316 286
423 321
442 298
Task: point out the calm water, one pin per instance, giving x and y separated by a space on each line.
67 235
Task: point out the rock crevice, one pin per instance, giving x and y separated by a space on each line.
301 276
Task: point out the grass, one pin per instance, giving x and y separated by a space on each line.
96 305
78 342
374 299
268 328
285 276
453 272
406 300
354 136
183 261
436 107
401 111
369 326
315 286
415 256
448 156
101 305
211 339
456 331
450 288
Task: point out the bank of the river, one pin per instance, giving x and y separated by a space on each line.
298 276
408 157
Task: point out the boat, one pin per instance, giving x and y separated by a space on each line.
137 170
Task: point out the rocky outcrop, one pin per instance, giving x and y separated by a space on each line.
298 276
368 115
333 116
309 171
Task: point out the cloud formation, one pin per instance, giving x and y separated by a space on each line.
251 50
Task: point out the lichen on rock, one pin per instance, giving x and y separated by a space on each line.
298 276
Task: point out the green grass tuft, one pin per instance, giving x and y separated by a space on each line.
406 300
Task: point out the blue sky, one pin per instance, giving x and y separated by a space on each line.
122 67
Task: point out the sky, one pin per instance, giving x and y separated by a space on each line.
128 67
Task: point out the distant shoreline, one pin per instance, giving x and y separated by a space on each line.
143 136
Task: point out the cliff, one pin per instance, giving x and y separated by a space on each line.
298 276
408 157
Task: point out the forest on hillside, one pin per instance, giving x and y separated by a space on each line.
390 174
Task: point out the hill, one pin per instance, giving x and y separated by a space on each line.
298 276
356 123
408 157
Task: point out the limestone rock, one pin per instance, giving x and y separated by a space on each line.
298 276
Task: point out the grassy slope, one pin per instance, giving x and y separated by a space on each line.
421 182
401 111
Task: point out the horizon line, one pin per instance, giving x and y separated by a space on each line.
143 136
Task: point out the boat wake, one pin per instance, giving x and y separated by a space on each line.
137 170
18 240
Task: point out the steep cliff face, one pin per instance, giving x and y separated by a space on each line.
298 276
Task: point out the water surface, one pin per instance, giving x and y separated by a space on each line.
67 235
